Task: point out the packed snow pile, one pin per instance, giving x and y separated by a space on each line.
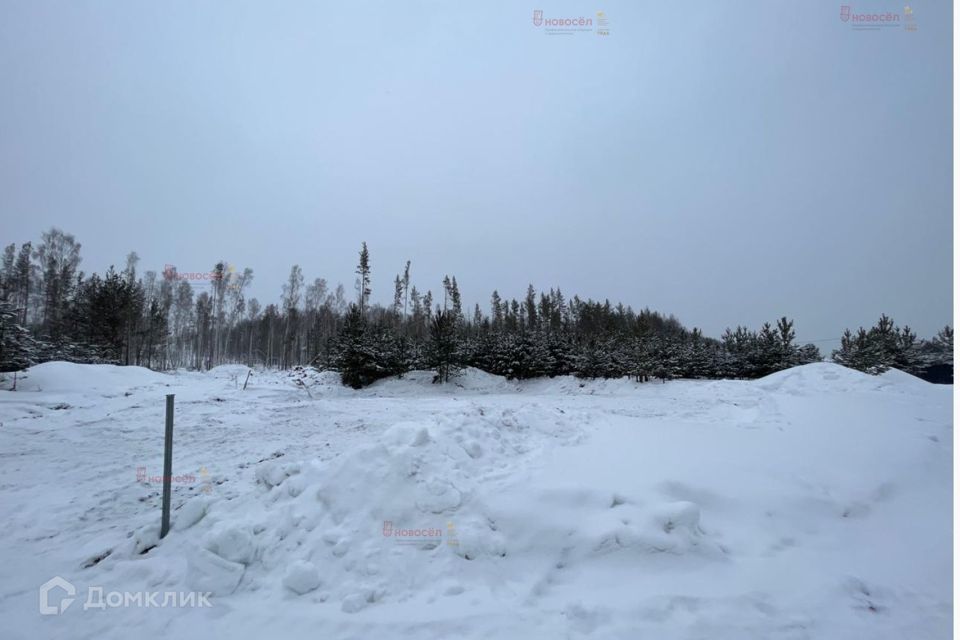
817 378
812 503
68 377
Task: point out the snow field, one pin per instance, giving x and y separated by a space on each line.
814 503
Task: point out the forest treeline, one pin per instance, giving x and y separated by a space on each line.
50 310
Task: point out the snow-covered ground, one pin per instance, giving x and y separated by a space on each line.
815 503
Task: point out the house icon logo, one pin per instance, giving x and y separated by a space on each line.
47 609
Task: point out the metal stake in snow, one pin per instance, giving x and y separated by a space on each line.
167 468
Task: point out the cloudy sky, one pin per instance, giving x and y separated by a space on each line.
727 162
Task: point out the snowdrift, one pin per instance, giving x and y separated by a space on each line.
69 377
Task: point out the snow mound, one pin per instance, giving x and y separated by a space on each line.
819 377
429 499
325 383
229 371
326 378
69 377
469 380
476 380
903 379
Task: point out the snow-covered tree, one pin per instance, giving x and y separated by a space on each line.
18 349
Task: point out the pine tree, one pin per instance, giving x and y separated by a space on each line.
562 355
416 317
666 358
858 351
882 347
496 311
363 354
944 344
406 287
446 291
768 350
58 256
785 337
699 357
7 274
906 356
397 296
24 274
291 308
807 354
428 304
363 283
883 336
530 306
455 303
442 352
18 350
528 356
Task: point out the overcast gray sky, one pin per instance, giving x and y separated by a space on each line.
728 162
